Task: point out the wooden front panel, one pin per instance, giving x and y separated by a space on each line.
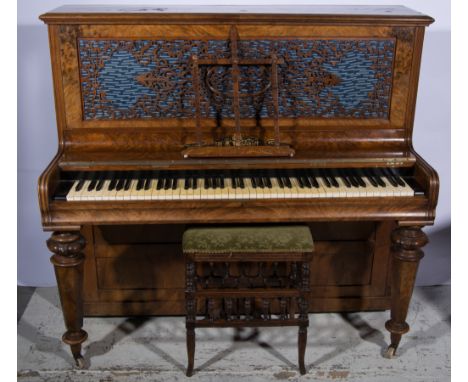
317 94
140 269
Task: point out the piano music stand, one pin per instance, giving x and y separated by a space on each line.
237 149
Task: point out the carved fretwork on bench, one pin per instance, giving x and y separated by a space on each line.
265 298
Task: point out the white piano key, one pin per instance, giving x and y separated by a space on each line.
406 190
73 194
149 191
83 195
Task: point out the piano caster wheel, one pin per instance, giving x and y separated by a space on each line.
80 362
390 352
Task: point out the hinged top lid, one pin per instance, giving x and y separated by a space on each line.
323 14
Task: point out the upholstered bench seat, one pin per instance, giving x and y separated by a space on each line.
263 239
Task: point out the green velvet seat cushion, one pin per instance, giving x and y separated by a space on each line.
274 239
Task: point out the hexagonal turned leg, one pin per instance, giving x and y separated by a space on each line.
406 253
68 264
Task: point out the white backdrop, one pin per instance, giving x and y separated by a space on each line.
37 138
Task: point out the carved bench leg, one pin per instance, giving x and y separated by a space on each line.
190 350
406 253
191 313
302 343
68 264
303 315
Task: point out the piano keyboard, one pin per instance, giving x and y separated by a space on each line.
236 185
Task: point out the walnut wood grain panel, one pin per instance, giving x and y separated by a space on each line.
138 234
337 231
174 139
172 233
158 267
203 212
221 31
341 264
125 268
165 308
90 282
321 14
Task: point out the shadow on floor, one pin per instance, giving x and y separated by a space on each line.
23 296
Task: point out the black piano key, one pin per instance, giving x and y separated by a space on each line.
127 183
92 184
418 190
167 183
147 183
233 182
254 182
352 178
213 183
306 181
390 177
371 178
140 183
358 175
279 179
241 182
120 184
175 182
112 184
81 180
287 181
377 175
333 181
345 178
222 181
206 184
328 176
187 183
260 182
312 178
218 182
83 177
80 185
325 179
100 182
300 181
160 183
267 181
334 177
194 183
397 177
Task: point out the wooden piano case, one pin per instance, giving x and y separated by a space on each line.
341 93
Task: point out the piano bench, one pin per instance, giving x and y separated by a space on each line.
247 276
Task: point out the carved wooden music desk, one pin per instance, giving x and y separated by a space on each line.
170 117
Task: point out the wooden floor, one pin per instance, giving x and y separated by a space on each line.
340 347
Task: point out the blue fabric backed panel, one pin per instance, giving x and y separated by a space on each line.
128 79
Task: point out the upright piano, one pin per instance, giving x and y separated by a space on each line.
169 116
